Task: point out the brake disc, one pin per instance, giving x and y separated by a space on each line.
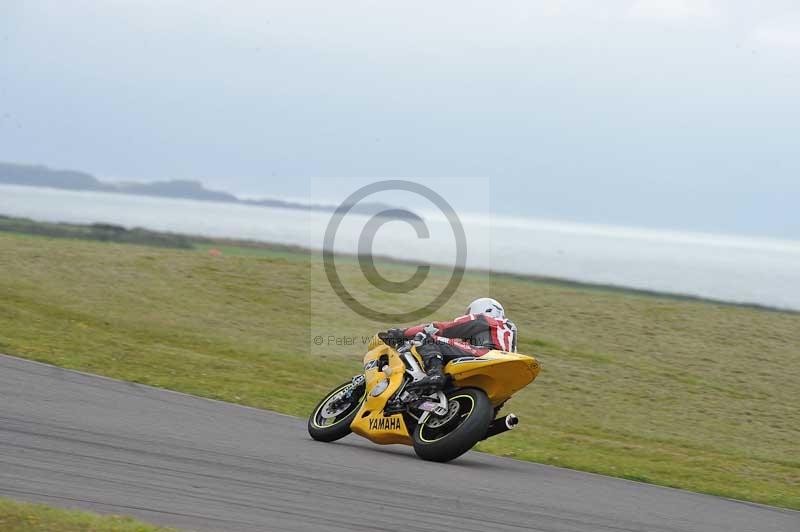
335 406
438 421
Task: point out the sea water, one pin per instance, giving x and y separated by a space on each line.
723 267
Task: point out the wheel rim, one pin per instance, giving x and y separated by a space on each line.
334 409
435 428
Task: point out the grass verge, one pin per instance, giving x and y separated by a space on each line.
674 392
24 517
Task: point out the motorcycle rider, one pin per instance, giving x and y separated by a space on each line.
483 327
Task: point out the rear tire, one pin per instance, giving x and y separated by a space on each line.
441 439
334 428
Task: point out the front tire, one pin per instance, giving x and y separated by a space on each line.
331 418
443 438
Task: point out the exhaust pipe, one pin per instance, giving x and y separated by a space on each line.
501 425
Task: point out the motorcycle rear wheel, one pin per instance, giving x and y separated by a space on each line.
330 421
443 438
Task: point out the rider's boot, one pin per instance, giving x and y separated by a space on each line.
435 376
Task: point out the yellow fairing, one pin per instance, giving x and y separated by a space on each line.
497 373
370 421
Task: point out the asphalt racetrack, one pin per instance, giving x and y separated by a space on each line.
75 440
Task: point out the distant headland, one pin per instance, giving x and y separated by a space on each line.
42 176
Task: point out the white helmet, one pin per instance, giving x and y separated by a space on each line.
487 305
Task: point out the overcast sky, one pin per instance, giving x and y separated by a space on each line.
663 113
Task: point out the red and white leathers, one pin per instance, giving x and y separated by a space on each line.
469 335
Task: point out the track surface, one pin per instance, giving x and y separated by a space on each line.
75 440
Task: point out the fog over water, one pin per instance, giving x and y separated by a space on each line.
729 268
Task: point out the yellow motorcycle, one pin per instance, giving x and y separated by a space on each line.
384 406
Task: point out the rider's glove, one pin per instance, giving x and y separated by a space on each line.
394 336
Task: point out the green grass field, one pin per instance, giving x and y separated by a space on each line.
21 517
675 392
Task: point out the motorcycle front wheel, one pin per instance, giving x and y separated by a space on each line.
331 418
443 438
